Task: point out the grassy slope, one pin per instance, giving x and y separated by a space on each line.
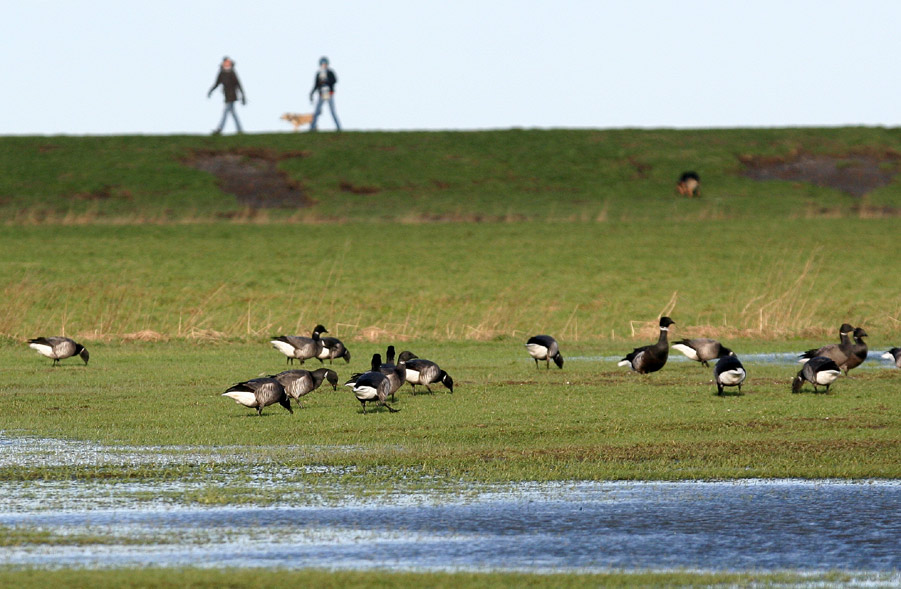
564 175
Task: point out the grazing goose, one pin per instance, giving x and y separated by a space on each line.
894 354
838 352
544 347
372 386
59 348
651 358
728 372
258 393
333 348
859 351
424 372
702 349
819 371
396 373
298 383
299 347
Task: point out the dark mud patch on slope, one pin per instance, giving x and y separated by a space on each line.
855 174
252 175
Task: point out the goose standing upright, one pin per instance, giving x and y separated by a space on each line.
372 386
59 348
298 383
650 358
299 347
728 372
258 393
894 354
858 351
420 371
702 349
544 347
838 352
333 348
818 371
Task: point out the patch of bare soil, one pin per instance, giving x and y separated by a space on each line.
252 175
855 174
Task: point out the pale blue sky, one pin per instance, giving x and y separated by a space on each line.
111 67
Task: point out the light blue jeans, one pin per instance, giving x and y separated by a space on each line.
229 108
318 111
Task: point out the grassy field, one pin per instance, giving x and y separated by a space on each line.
458 246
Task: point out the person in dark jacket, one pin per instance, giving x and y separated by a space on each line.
228 79
324 83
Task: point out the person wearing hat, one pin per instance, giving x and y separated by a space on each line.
324 83
230 87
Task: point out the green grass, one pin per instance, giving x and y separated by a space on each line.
507 420
200 578
579 281
559 175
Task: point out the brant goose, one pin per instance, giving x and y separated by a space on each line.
651 358
58 348
420 371
258 393
333 348
299 347
702 349
298 383
838 352
819 371
372 386
858 349
544 347
894 354
728 372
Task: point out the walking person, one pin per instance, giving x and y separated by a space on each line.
228 79
324 83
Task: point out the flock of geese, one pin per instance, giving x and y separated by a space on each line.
822 366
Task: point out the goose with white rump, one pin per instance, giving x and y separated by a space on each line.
420 371
298 383
544 347
650 358
333 348
372 386
297 347
258 393
59 348
702 349
818 371
728 372
895 355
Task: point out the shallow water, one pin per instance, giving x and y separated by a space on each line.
575 526
874 359
761 526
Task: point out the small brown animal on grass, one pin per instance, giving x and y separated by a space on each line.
689 184
297 119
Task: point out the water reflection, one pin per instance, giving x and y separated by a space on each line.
750 525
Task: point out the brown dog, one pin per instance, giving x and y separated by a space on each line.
689 184
297 119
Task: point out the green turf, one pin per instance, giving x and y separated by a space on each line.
202 578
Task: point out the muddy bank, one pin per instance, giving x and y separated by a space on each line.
854 174
253 177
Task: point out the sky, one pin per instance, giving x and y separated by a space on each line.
104 67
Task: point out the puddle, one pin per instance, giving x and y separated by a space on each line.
735 526
756 525
874 359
